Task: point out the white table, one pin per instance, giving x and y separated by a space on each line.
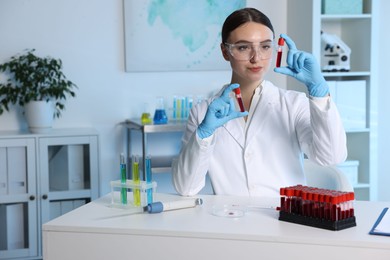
94 231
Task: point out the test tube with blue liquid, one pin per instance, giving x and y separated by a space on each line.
148 178
136 180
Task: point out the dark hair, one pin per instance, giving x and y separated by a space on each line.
241 16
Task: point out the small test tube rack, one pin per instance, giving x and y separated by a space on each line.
316 207
145 189
181 107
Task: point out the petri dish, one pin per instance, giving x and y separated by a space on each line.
229 210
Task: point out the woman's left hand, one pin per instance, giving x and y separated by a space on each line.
304 67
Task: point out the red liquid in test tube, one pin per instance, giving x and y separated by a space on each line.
237 91
329 209
282 199
280 51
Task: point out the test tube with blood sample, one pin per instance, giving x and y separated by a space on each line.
237 91
280 51
329 209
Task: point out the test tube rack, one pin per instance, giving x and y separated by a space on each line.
142 186
316 207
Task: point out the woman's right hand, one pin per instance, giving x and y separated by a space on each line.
219 112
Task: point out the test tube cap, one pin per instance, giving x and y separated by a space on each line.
281 41
237 91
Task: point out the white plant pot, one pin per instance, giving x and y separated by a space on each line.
39 116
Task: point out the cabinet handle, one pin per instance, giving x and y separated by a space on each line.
32 197
44 196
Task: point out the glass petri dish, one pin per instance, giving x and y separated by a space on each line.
229 210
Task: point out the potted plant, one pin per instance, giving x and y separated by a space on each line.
32 81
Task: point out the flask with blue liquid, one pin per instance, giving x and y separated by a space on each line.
160 116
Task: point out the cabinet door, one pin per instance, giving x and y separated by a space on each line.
68 173
18 204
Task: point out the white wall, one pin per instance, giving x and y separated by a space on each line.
88 37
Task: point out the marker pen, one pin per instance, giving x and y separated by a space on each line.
280 51
123 179
237 91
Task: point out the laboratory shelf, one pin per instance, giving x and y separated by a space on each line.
339 17
347 74
361 186
160 164
171 126
362 130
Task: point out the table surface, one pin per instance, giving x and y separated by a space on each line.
260 223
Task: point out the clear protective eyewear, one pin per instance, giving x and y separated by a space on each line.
245 51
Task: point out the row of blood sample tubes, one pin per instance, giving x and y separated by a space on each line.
319 203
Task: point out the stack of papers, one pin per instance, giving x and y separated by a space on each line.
382 225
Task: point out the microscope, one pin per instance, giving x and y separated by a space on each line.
335 54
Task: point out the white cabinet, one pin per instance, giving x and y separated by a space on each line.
18 193
356 91
42 176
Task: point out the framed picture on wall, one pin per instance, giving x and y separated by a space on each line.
175 35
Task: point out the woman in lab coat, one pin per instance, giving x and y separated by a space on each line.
256 152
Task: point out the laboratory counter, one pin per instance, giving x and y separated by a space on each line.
99 231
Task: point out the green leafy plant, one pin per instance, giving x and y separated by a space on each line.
32 78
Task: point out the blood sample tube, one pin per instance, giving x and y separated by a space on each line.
333 207
321 205
237 91
282 199
280 51
316 207
289 194
310 206
327 206
294 201
351 207
304 203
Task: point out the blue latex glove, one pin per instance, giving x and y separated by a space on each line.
220 111
304 67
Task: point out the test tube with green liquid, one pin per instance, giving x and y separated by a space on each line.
136 180
123 179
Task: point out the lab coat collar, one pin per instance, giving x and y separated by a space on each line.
262 111
236 130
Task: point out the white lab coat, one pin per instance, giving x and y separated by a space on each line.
285 125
